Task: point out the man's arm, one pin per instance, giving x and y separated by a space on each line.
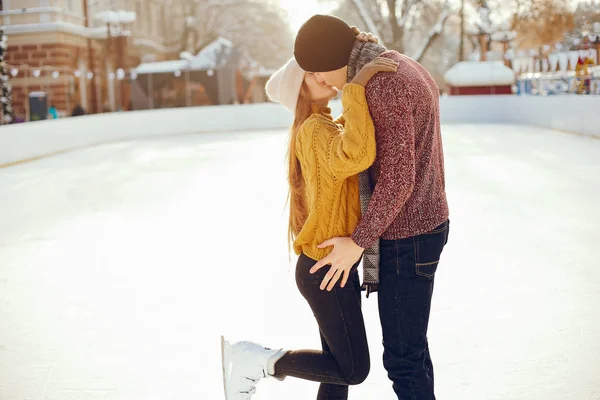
391 108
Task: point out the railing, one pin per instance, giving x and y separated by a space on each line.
35 15
559 84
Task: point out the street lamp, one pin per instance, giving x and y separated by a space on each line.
118 20
505 37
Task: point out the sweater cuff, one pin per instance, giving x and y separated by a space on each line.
362 240
353 92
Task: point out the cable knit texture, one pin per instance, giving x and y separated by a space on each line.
409 195
331 154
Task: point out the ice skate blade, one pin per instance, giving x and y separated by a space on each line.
224 351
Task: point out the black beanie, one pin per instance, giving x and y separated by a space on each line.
323 44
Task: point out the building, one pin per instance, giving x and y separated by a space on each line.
80 51
479 78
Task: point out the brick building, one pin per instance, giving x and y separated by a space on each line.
77 50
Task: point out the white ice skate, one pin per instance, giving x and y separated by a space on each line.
244 364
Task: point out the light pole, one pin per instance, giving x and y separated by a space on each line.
186 55
505 36
118 20
484 27
90 54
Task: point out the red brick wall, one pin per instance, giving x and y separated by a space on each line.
40 55
64 55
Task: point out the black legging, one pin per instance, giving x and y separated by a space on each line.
345 357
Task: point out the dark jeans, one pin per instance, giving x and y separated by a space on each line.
407 272
344 359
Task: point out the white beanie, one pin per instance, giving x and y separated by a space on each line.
284 86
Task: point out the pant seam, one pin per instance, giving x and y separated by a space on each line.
337 301
327 377
398 322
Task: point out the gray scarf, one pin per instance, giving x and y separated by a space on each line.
362 54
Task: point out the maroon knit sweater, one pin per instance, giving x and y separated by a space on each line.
409 196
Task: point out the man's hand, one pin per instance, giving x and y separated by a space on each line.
342 258
379 64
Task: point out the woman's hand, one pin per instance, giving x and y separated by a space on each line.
380 64
364 36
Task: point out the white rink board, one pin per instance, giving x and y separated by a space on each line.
575 114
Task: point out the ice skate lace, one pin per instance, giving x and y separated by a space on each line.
249 383
247 395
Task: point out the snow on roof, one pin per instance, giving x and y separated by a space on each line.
213 56
116 17
480 73
161 67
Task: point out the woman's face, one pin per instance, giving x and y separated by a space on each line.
319 92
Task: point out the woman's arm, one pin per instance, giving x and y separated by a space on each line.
353 149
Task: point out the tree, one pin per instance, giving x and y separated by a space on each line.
257 28
536 22
408 26
5 89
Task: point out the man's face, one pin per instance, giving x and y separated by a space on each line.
335 78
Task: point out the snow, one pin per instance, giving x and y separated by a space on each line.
210 57
161 66
116 17
119 283
504 36
475 73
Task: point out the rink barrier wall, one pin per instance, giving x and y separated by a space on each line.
34 140
573 114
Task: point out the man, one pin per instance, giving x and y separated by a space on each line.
407 214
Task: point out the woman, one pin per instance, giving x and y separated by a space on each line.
325 157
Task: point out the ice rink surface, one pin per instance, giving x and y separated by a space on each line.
121 265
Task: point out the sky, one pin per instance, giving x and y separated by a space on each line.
301 10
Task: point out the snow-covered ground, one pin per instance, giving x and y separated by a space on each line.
121 265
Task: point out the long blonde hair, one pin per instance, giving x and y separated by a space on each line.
297 186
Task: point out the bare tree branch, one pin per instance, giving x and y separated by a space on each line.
255 27
366 18
434 32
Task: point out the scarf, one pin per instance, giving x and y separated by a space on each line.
363 53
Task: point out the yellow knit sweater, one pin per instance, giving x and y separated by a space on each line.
331 154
